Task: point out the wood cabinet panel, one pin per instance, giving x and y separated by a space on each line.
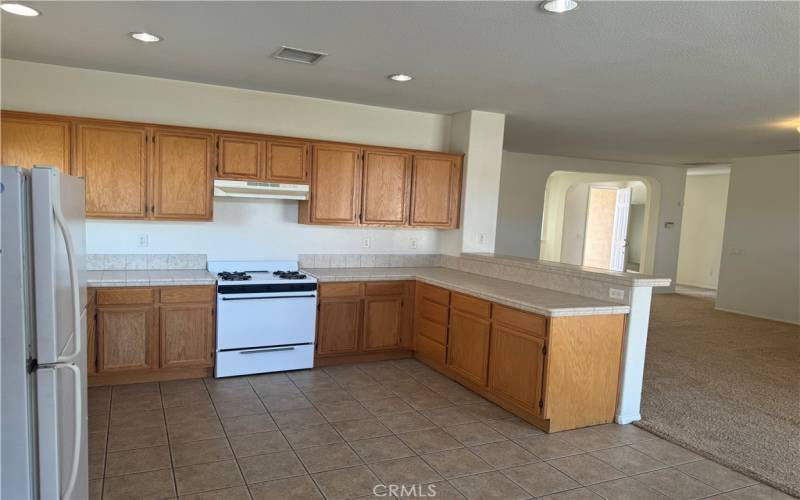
353 289
182 175
113 159
520 320
383 322
335 185
432 311
426 348
471 305
468 346
186 335
434 331
386 185
384 288
123 296
287 161
240 157
435 191
26 141
338 326
126 338
187 293
433 293
516 366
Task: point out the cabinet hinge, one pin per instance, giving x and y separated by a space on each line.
541 404
218 144
544 351
146 139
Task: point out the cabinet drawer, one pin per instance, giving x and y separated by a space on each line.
429 349
352 289
433 293
178 294
122 296
431 330
471 305
521 320
388 288
432 311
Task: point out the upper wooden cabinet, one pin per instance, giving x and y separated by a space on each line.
436 190
29 140
386 185
240 157
335 186
287 161
114 161
182 175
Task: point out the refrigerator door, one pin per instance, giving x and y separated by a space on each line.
17 385
59 256
63 444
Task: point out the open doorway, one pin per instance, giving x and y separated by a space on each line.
600 220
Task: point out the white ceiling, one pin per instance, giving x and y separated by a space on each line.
662 82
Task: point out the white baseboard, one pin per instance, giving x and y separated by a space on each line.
779 320
704 287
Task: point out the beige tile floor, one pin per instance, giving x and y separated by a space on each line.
349 431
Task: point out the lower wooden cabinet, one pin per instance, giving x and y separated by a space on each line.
468 346
516 366
142 334
363 319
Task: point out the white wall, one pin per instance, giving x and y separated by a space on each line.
760 270
240 229
479 134
522 186
703 224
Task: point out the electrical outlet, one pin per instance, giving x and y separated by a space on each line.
616 293
413 243
482 238
365 243
142 241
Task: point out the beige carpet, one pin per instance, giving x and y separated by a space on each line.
726 386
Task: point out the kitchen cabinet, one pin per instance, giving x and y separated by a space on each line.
385 187
516 365
240 157
287 161
431 320
126 338
363 319
27 140
113 159
335 186
468 338
146 334
182 175
338 323
435 190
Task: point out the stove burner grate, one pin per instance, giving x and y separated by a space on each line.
289 275
236 276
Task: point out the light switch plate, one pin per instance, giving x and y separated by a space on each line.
365 243
142 241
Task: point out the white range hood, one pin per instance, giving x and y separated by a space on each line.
256 189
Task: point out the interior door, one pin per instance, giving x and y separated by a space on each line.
619 243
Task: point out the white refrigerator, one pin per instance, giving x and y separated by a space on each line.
43 334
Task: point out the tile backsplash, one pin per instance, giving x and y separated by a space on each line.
140 262
326 261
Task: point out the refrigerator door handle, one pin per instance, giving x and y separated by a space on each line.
76 450
74 285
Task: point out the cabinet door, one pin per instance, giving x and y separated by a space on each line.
436 191
468 346
383 322
113 159
126 338
182 182
187 335
515 366
28 141
287 161
335 185
338 326
240 157
386 186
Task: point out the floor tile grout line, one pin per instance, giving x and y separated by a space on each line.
169 443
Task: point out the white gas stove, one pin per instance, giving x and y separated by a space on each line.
266 317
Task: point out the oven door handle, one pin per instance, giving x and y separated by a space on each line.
268 349
271 297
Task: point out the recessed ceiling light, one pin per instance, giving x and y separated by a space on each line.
400 77
559 6
19 9
144 37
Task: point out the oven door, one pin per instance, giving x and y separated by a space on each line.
247 320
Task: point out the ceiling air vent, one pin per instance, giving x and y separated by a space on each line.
292 54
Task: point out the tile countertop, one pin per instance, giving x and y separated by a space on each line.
525 297
153 277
